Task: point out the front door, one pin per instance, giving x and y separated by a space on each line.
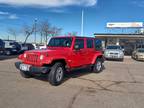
78 56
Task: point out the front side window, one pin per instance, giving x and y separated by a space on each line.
60 42
80 43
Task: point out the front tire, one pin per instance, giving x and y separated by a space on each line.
56 74
97 68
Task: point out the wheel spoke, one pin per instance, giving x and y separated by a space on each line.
59 74
99 66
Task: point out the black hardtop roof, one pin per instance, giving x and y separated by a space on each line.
72 37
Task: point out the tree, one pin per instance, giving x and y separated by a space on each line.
55 31
71 34
27 30
45 30
13 32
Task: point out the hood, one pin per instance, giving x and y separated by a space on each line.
113 50
138 53
52 51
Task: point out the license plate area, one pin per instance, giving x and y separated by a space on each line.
114 56
25 67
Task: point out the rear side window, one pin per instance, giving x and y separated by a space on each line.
80 42
89 43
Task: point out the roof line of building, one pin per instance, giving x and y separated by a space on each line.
116 34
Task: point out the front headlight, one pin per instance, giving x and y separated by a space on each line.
41 57
140 55
121 53
25 55
106 53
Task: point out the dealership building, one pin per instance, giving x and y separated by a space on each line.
129 41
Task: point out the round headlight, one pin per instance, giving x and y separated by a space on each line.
41 57
25 55
106 52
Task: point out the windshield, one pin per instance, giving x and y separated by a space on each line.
141 50
60 42
113 47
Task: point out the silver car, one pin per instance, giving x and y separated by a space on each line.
138 54
114 52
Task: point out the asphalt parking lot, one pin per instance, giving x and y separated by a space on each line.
120 85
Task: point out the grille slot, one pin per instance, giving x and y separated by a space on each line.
32 58
114 53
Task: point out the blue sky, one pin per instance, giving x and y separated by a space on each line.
66 14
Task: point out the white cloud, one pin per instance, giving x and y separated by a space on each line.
138 3
4 13
8 15
13 16
57 10
50 3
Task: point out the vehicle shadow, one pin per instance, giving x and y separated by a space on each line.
4 57
69 75
115 60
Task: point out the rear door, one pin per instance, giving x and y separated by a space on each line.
90 50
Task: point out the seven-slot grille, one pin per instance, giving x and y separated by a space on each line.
32 58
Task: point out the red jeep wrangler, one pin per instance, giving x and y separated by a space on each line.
62 55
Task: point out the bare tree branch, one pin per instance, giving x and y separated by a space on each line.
27 30
45 29
55 31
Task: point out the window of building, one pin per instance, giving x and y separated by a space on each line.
98 44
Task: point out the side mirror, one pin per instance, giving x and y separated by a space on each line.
76 47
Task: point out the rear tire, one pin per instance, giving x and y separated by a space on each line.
56 74
7 53
97 68
25 74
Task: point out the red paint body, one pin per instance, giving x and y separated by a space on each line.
73 58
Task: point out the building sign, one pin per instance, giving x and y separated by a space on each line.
125 25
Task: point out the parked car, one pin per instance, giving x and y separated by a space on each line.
42 46
29 46
2 49
26 47
36 46
23 47
114 52
138 54
11 47
127 50
62 55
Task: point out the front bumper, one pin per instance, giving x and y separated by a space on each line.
34 69
141 58
114 57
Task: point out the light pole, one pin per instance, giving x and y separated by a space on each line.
35 29
82 23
